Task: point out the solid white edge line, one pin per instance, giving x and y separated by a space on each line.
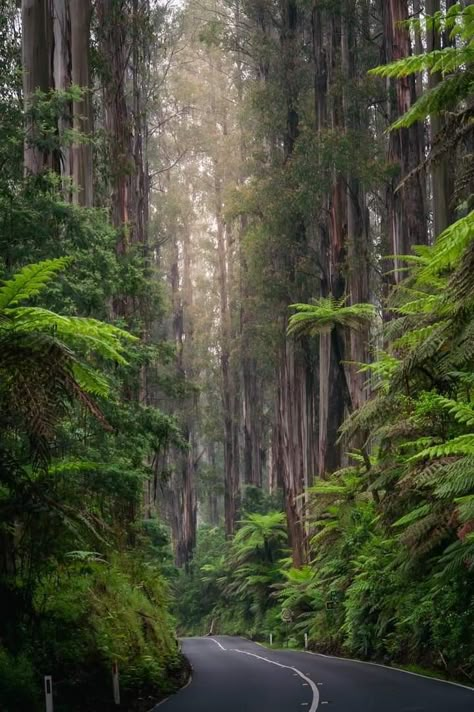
388 667
367 662
314 689
177 693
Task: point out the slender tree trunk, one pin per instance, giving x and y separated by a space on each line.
231 486
357 215
327 43
114 42
407 206
82 172
293 446
62 63
441 180
37 72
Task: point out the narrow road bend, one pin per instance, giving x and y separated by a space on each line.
235 675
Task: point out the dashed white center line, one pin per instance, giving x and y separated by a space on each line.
217 643
315 703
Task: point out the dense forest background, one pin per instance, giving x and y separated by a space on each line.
236 336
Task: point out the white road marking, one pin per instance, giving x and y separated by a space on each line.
367 662
388 667
217 643
315 703
180 690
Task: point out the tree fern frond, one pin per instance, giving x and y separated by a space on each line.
462 412
90 380
30 281
414 516
466 508
324 314
444 61
450 246
443 97
104 339
461 445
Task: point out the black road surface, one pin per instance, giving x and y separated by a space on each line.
235 675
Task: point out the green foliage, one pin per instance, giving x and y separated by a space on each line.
81 578
390 574
18 683
453 63
323 315
228 585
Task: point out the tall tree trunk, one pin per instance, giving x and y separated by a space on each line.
407 207
82 173
231 486
114 43
62 62
441 181
37 72
293 449
356 210
332 231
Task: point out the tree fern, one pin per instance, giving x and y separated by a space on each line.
49 360
322 315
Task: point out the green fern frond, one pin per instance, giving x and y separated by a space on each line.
30 281
461 445
91 335
91 380
443 97
438 61
462 412
466 508
414 516
450 246
322 315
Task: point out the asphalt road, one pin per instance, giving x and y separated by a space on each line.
235 675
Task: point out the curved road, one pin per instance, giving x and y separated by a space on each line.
236 675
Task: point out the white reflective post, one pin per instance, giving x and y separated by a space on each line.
48 692
271 638
115 678
306 641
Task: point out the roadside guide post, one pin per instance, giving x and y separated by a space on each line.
306 641
116 684
48 692
271 638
